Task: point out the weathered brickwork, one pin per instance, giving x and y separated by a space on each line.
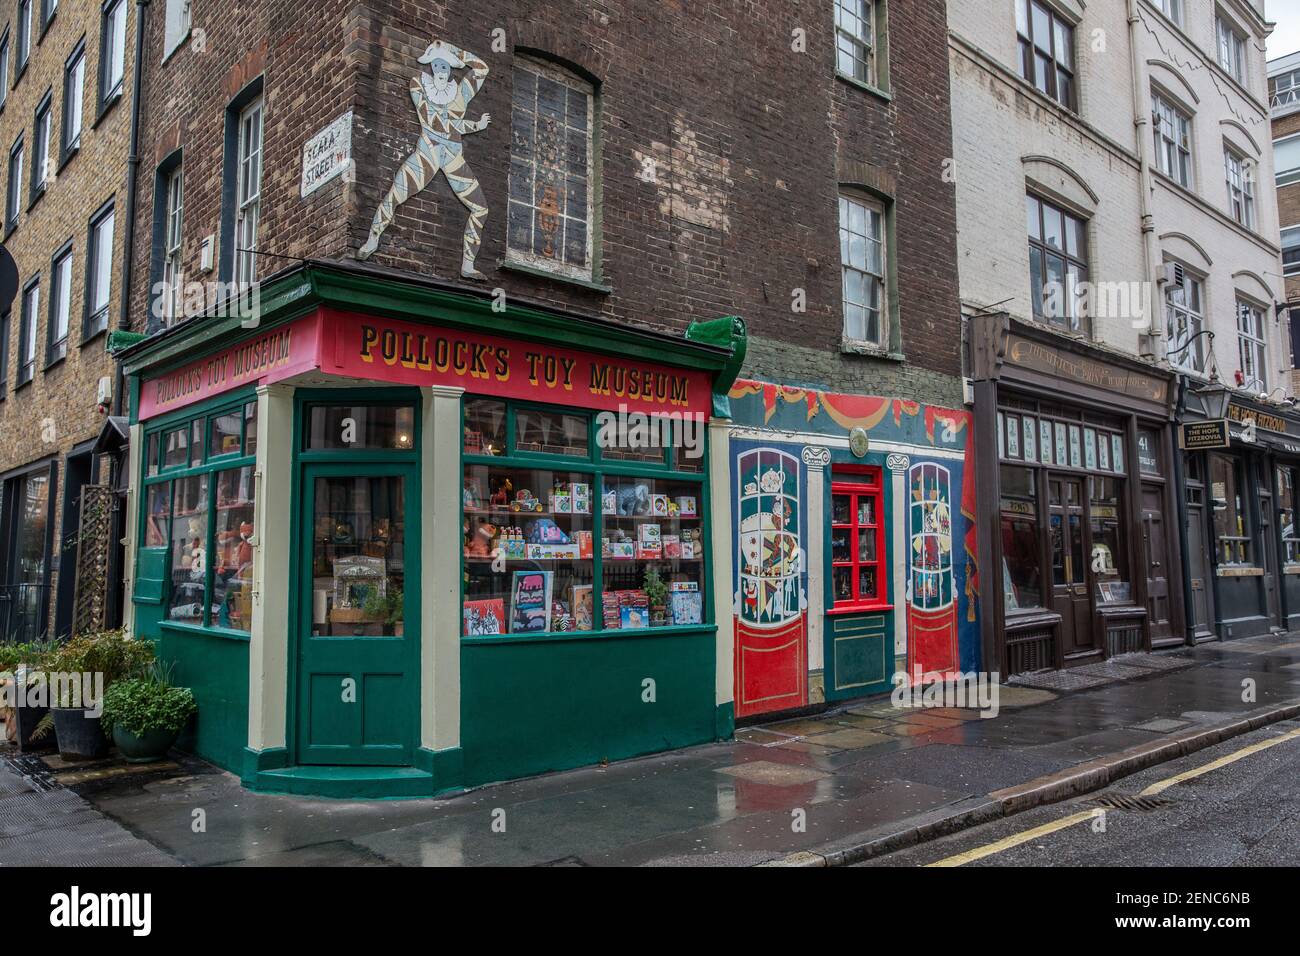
722 149
58 410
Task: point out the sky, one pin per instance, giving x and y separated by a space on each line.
1286 38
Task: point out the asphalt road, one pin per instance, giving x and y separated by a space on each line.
1225 812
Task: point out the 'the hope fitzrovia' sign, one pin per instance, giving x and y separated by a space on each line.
327 154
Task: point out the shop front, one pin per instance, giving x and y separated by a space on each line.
853 545
1076 486
400 543
1241 462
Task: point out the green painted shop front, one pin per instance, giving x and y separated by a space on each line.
380 532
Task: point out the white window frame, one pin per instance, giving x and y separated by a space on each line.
173 225
1252 349
60 307
857 272
74 103
1173 9
30 318
112 52
1292 268
99 271
1172 129
1240 179
1184 319
176 27
1288 95
14 188
23 47
1231 48
6 52
43 128
527 257
856 41
248 191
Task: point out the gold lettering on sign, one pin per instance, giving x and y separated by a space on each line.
1043 358
1261 419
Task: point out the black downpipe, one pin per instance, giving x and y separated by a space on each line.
1180 492
119 461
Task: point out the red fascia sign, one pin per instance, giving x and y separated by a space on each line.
396 352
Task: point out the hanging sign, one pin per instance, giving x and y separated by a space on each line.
1201 436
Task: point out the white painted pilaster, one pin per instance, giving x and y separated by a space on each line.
816 458
134 460
723 546
440 547
268 651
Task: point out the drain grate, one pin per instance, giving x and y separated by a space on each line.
1122 801
34 770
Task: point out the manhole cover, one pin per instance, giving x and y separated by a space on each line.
1123 801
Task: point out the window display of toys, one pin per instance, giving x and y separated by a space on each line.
580 493
686 506
692 543
633 499
501 493
617 544
609 502
546 531
512 542
560 500
672 545
472 497
649 544
481 543
659 506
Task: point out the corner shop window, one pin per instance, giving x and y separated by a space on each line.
572 546
1286 515
857 542
335 427
1022 585
1108 558
201 509
1231 525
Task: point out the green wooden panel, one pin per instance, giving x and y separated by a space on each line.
150 575
215 668
859 654
535 706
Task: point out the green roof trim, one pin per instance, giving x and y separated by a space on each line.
725 333
119 340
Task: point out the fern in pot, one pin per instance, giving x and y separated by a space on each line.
146 714
80 672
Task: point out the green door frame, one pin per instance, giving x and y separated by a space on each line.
310 465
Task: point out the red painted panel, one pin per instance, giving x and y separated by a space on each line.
771 668
932 637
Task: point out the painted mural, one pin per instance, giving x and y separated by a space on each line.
928 453
770 581
441 103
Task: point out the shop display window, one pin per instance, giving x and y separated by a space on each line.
612 541
1108 563
1231 520
360 427
1022 584
1286 493
199 506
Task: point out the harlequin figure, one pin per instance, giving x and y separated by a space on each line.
440 102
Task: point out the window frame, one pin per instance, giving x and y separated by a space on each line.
1195 321
6 56
173 226
1079 321
23 38
56 349
1180 122
874 47
866 483
70 143
1230 48
1172 9
97 218
29 324
589 272
1293 267
248 208
210 466
1246 539
48 9
6 322
1290 96
870 204
1028 49
14 185
110 88
1240 197
42 133
1252 342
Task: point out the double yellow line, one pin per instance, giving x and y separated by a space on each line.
1025 836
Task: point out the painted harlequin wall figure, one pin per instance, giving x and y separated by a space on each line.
441 103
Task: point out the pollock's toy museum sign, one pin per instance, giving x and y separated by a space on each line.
404 353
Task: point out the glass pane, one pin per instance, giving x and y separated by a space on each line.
30 556
867 545
866 510
636 438
358 556
225 435
361 426
840 545
157 510
485 427
250 428
843 583
232 597
866 583
151 455
551 433
189 550
177 448
196 442
840 505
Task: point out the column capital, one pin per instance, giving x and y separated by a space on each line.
897 463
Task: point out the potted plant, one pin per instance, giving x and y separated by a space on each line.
656 592
385 609
81 671
146 714
23 690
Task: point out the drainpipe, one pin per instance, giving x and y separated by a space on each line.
1189 596
1141 122
113 611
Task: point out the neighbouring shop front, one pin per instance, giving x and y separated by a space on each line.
853 544
400 543
1241 466
1077 488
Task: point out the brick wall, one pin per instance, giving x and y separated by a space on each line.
747 139
58 410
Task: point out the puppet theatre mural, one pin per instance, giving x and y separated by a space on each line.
854 537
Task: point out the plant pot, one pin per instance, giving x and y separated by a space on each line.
80 737
148 747
27 718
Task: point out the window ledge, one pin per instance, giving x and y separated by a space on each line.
11 227
70 152
511 265
180 42
648 633
87 339
1239 572
21 385
197 631
107 105
864 85
36 197
870 350
54 363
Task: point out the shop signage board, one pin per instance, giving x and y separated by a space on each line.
327 154
1200 436
408 353
1043 358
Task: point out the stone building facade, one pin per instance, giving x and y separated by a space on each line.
65 122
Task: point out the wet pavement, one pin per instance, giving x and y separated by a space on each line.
789 786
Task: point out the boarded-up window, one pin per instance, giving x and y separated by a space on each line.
550 212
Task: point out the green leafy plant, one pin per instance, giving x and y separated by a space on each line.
656 591
110 653
32 655
141 704
386 608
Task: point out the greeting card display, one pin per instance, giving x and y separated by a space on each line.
530 602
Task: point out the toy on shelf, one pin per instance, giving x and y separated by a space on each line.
479 544
472 497
546 531
524 501
633 499
501 495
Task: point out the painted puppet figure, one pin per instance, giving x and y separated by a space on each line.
441 103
